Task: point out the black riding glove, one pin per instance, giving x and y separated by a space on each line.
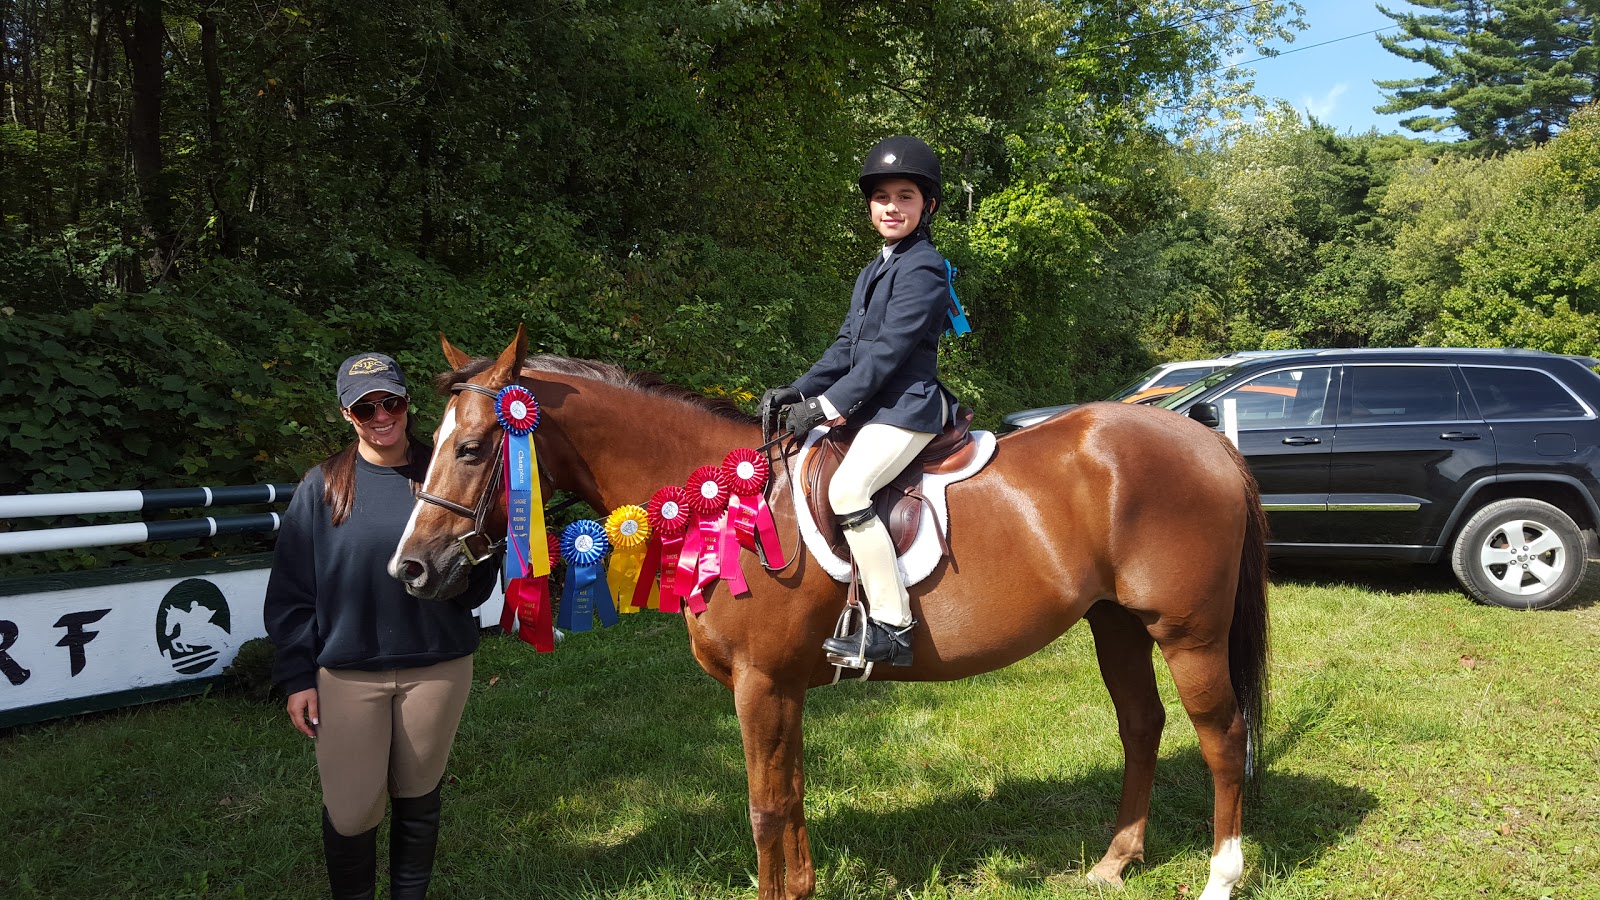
773 402
803 417
778 397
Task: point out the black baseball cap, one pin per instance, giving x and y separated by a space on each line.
367 372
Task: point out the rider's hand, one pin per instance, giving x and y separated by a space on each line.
778 397
802 417
302 708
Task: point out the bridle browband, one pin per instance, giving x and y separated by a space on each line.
475 545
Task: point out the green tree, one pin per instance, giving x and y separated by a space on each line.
1507 74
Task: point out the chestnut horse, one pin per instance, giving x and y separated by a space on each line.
1146 523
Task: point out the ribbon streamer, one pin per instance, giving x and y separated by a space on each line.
748 473
669 519
628 529
584 546
527 604
518 414
706 494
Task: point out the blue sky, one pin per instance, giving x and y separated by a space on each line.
1334 82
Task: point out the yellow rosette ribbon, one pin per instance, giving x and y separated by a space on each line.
628 528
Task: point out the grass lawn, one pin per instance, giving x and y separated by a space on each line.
1419 746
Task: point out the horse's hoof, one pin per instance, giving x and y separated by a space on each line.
1096 879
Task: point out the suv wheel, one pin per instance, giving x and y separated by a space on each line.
1520 554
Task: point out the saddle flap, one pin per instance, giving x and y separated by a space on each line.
900 503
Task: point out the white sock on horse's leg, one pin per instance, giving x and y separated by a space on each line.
1227 867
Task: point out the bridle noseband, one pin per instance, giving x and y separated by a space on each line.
475 545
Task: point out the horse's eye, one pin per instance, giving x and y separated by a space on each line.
468 450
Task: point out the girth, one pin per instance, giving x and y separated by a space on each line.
900 503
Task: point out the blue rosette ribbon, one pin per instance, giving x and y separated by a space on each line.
584 546
518 414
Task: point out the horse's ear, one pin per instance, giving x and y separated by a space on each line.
454 357
511 358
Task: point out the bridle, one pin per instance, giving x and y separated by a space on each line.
476 545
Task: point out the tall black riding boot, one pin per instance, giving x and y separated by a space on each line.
413 837
352 861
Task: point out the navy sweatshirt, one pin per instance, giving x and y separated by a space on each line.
330 601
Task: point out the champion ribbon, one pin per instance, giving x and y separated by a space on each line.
669 519
628 530
706 495
748 512
518 414
527 604
584 546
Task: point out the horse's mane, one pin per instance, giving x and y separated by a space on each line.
643 382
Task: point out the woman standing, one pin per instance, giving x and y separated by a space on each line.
376 677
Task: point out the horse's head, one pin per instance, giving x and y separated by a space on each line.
461 507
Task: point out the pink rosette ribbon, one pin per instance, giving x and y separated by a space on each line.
669 519
706 493
752 520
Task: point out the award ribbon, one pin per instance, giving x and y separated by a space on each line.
518 414
584 546
527 606
668 520
752 520
706 495
628 529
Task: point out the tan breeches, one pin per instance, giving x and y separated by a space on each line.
385 733
877 455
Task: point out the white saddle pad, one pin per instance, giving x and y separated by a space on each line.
919 561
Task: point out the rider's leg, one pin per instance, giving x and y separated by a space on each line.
878 454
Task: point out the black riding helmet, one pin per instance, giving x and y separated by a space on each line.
904 156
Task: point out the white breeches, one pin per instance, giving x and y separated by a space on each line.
877 455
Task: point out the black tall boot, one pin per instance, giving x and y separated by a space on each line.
413 837
352 861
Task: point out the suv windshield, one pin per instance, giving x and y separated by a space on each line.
1196 387
1133 385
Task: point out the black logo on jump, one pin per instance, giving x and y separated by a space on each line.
193 626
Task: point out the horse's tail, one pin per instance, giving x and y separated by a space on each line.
1247 638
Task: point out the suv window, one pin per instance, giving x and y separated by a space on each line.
1383 394
1504 393
1181 377
1289 398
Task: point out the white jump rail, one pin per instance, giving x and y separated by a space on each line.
19 506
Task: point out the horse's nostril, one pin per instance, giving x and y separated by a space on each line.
411 569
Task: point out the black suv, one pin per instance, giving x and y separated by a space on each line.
1489 456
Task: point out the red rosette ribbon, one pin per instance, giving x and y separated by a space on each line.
707 493
669 519
527 605
748 472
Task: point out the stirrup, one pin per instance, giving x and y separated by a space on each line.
851 618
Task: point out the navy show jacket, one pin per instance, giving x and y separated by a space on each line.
884 365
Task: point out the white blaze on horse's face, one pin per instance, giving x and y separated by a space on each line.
446 428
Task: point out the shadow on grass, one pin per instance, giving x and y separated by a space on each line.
633 785
1389 577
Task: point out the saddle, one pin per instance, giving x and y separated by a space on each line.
900 503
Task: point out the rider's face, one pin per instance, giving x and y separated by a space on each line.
895 205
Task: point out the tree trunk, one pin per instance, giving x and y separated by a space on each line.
216 153
143 44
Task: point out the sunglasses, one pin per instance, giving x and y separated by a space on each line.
364 411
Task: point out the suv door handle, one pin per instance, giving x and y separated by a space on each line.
1459 436
1299 441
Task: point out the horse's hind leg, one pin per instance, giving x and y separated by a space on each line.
1123 647
1200 671
769 721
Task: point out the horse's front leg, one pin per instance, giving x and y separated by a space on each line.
769 721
